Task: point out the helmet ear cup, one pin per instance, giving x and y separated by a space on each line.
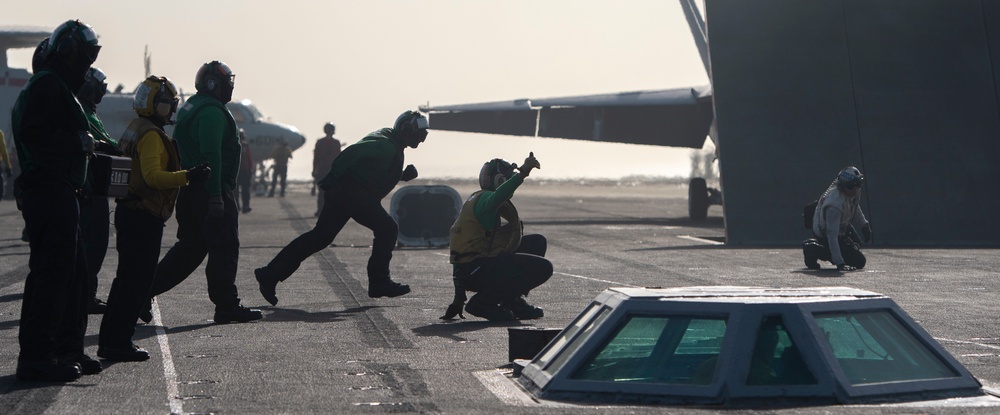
163 109
66 48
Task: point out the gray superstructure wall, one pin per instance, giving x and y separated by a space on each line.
906 90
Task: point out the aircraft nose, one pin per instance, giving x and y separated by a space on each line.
296 140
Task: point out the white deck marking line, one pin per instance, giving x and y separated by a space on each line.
988 346
618 284
169 374
697 239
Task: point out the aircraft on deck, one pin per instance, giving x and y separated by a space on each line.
627 117
116 111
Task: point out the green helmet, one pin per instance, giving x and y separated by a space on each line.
74 42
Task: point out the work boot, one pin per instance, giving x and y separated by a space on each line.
146 315
809 249
389 288
96 306
266 285
132 353
47 371
491 312
87 364
521 309
236 314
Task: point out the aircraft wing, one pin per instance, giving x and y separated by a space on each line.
677 117
14 37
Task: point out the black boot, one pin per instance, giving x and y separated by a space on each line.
48 371
267 285
237 314
387 288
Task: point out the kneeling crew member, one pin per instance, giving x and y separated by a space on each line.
489 253
836 212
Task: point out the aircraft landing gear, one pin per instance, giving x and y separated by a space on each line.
700 197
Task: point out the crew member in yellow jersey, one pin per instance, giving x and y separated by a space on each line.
152 190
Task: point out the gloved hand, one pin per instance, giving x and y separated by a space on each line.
867 232
199 173
86 142
216 209
409 173
845 268
455 309
529 163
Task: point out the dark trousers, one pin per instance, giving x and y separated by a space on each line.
508 276
850 249
95 224
279 172
53 312
198 238
244 182
344 201
139 237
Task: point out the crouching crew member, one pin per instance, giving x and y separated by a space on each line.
836 212
139 218
489 253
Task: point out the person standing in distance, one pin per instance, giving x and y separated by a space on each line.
327 149
156 175
359 178
489 253
54 147
5 157
245 178
280 154
207 218
837 211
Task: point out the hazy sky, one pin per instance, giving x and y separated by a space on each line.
361 63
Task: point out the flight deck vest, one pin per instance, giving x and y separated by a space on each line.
470 241
141 195
34 154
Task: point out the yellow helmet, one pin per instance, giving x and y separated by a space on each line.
156 97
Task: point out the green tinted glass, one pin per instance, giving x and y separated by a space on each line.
874 347
658 349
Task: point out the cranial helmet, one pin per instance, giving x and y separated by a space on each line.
850 178
215 75
494 173
40 56
94 87
411 124
74 42
156 97
329 128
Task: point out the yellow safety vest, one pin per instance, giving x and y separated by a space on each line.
470 241
141 195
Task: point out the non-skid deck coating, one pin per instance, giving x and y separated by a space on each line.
328 348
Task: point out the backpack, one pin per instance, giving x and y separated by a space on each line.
807 214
